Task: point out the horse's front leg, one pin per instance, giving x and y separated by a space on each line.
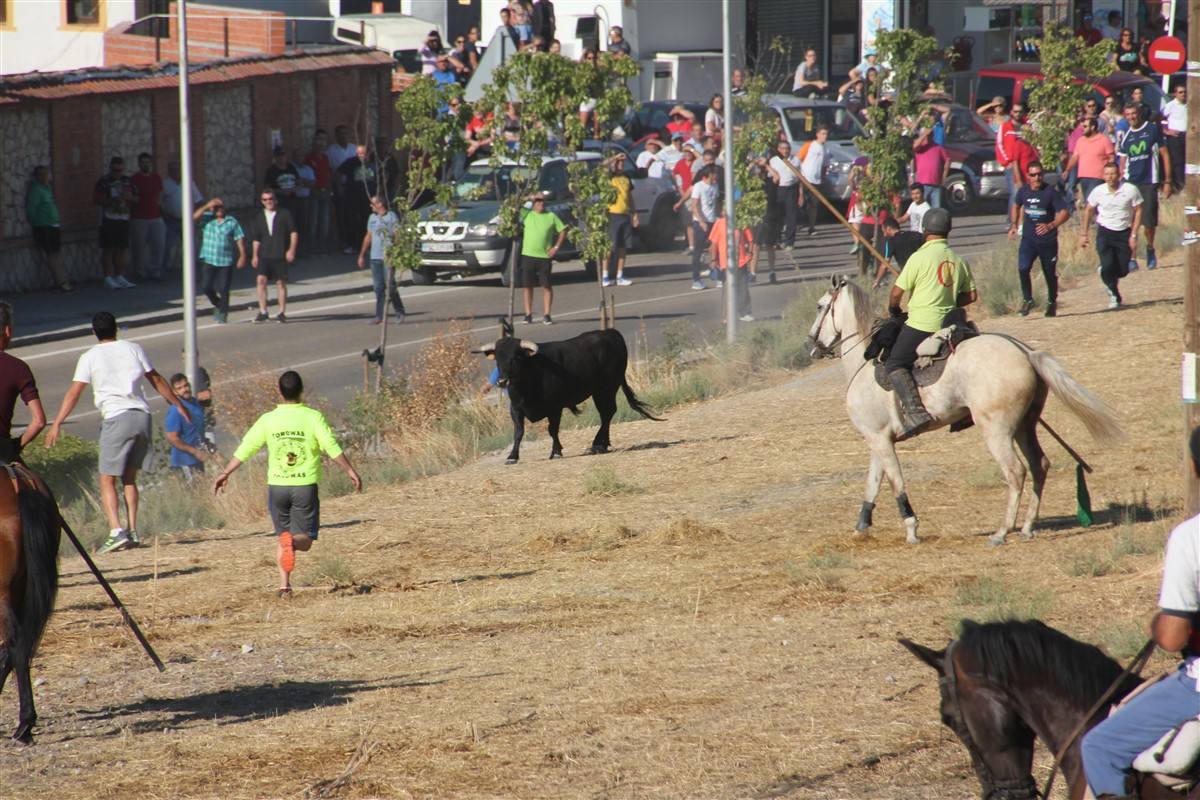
886 453
1000 443
874 479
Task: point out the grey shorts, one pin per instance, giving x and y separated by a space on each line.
295 509
124 442
1149 192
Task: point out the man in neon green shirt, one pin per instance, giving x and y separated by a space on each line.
937 282
538 248
295 436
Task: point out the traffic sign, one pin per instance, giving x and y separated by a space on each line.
1166 55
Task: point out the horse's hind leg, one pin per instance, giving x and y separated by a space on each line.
1000 443
1039 466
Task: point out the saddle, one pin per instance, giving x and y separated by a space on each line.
1174 760
932 354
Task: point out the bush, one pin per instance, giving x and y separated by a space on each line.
68 467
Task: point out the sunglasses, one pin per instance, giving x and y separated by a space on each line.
1035 174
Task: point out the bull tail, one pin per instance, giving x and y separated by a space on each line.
636 404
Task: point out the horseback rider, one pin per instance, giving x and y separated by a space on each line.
1109 749
16 380
937 282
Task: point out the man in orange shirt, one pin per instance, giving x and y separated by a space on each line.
720 259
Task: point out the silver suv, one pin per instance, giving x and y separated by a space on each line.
800 119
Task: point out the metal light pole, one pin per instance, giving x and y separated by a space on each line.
731 269
185 211
1191 292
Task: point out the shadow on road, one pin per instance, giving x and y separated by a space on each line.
149 576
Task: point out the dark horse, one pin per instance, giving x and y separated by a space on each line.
1004 684
30 527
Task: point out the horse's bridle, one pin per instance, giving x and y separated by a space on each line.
1023 788
830 350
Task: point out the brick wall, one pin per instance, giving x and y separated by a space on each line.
211 35
231 127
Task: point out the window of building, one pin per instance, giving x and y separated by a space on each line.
83 12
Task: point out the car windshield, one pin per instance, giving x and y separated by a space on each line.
482 182
803 122
963 125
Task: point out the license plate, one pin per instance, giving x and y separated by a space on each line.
437 247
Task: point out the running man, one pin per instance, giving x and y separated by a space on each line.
1036 217
295 436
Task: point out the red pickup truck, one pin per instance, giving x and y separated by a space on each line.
1008 81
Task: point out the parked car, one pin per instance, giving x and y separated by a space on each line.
653 116
1008 81
466 239
974 172
800 119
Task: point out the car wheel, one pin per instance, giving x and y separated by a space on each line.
664 225
960 194
424 276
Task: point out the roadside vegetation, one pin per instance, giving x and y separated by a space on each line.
429 420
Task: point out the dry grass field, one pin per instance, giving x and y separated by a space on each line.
687 617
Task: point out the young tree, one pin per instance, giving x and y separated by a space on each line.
550 89
1056 98
428 141
756 130
907 56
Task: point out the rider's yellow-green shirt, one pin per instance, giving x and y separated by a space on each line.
295 436
934 277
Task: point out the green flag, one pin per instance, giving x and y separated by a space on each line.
1084 509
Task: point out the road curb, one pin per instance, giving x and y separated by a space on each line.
166 315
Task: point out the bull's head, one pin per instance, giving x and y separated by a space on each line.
510 355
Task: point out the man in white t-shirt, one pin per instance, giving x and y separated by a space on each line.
914 215
1118 210
705 197
1175 127
115 371
1108 750
813 165
651 160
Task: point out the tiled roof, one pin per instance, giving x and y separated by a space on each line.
107 80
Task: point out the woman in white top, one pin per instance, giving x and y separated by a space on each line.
714 120
429 52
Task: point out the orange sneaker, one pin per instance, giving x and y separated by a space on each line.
287 555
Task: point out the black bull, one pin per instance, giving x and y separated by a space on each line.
543 379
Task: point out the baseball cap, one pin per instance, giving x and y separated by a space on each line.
937 220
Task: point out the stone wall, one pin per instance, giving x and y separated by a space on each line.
26 137
126 129
307 91
228 153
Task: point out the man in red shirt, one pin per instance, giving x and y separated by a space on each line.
321 193
147 232
683 177
1006 138
1090 35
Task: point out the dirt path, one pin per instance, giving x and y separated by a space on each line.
713 632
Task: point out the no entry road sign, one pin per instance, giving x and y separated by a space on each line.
1166 55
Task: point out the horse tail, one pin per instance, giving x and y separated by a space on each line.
1100 420
636 404
41 528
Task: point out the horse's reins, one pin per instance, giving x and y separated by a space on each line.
1135 666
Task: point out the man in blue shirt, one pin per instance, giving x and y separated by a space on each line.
222 245
186 437
1139 150
1038 213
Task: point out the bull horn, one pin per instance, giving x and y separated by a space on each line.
488 350
530 346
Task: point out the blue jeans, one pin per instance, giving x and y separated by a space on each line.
1032 250
383 281
318 219
933 194
699 248
1109 748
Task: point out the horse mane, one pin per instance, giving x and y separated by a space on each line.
864 314
1024 652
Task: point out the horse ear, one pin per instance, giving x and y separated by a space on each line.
841 281
934 658
833 281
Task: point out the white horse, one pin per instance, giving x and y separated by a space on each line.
999 381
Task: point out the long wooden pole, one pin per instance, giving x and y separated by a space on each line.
815 192
1191 293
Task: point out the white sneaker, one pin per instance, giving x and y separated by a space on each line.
124 282
111 283
746 318
623 281
606 282
1113 304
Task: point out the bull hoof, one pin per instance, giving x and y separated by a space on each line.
23 734
510 460
597 450
555 455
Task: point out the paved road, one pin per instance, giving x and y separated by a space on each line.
325 337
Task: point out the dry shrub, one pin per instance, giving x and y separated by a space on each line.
239 403
688 531
436 378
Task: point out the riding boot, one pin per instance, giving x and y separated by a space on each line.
913 415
